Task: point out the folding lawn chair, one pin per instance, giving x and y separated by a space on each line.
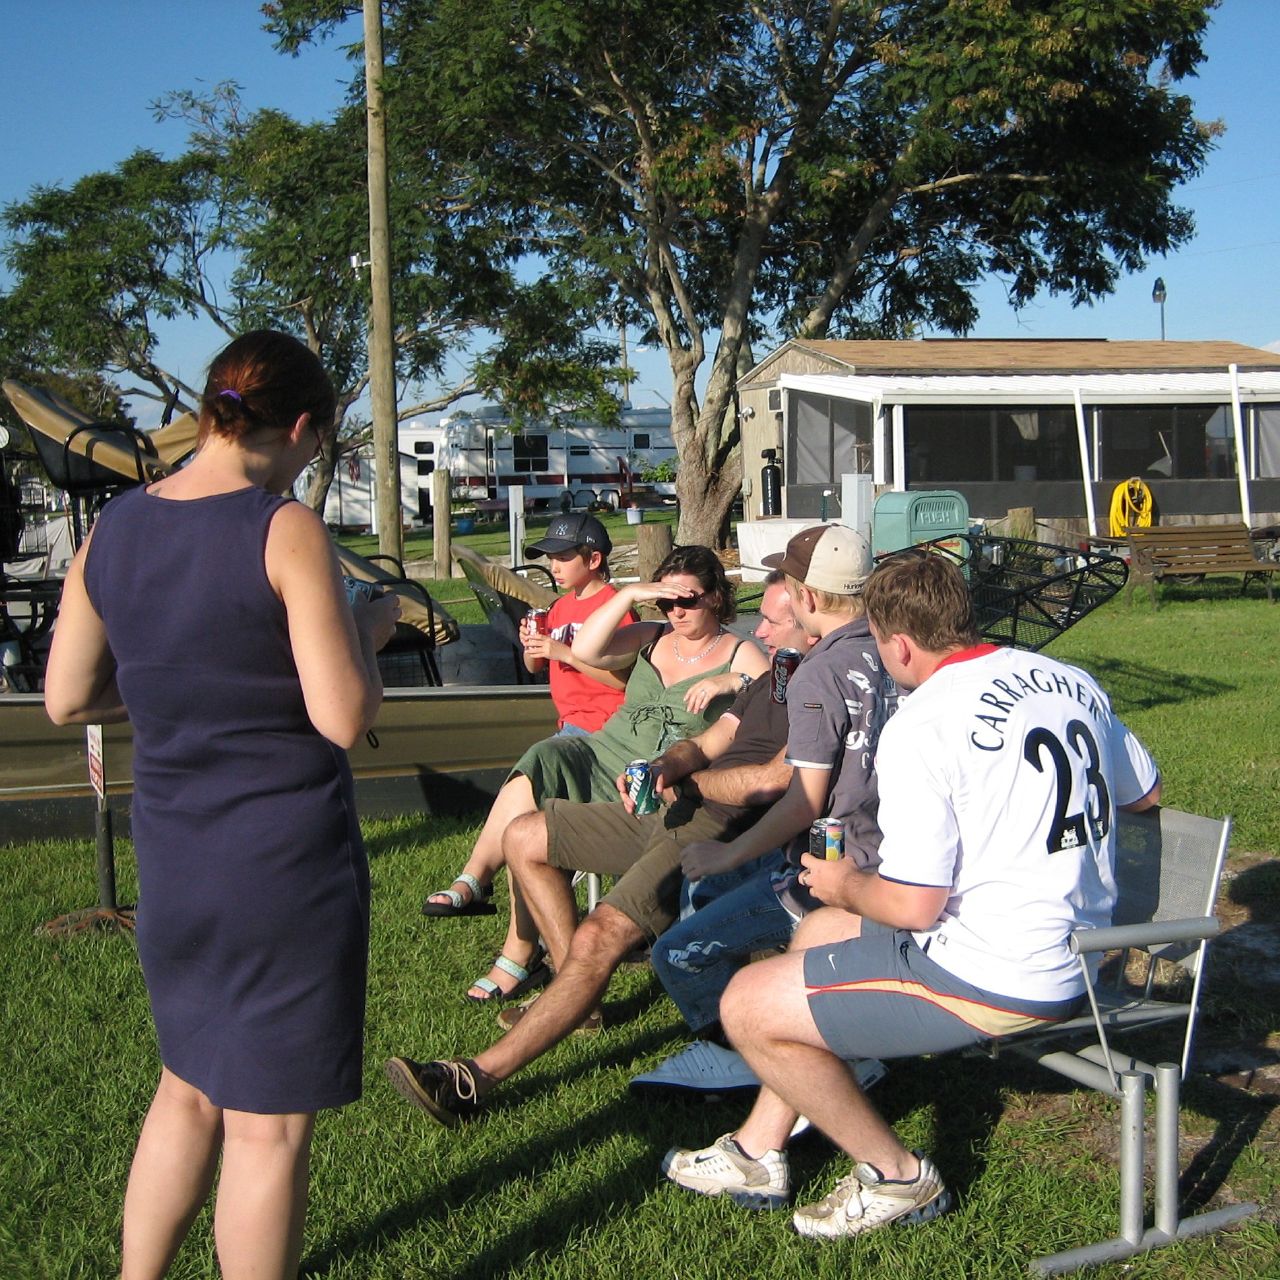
1168 866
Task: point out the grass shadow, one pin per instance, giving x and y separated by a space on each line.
1135 685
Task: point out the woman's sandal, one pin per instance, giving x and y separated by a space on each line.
476 905
536 974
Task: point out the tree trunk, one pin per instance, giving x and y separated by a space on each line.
705 501
321 478
710 475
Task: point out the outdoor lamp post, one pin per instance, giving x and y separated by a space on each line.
1158 295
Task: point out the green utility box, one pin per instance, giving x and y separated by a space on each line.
919 515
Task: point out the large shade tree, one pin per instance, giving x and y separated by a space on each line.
739 170
255 225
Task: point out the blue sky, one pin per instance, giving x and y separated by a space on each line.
81 75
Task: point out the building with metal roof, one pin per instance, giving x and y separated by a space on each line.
1050 424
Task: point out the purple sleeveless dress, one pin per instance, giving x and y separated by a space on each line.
253 902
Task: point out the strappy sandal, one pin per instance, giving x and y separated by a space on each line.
476 905
535 974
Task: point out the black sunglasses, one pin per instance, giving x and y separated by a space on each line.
683 602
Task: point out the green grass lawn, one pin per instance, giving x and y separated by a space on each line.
560 1179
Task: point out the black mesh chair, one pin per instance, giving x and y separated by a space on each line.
1027 593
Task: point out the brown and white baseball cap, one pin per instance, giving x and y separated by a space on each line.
828 557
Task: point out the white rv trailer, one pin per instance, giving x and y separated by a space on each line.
485 454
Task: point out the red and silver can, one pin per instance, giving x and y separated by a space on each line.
785 662
640 787
826 839
538 621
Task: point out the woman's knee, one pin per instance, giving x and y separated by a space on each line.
174 1091
289 1130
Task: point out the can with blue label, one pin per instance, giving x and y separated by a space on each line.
640 787
356 588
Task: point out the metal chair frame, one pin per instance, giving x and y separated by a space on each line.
1168 867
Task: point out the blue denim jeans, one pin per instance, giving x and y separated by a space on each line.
700 953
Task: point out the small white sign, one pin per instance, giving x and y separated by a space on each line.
97 774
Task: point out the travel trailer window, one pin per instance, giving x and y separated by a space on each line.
1178 442
529 453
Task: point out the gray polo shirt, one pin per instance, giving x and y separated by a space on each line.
837 702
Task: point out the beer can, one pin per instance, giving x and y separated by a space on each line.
785 662
538 621
356 588
826 839
640 787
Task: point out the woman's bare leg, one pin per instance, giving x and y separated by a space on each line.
262 1194
514 798
172 1172
520 945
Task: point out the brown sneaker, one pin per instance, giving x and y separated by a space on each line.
445 1090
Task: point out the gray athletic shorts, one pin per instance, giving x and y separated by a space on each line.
644 852
880 996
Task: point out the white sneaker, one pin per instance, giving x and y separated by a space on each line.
724 1169
703 1067
865 1199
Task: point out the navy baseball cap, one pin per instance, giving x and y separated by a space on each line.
566 533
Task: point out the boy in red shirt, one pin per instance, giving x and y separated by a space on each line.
578 548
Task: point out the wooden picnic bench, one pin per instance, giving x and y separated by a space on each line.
1195 551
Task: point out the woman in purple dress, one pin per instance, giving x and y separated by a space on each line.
209 611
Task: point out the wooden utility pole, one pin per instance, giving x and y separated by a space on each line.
382 363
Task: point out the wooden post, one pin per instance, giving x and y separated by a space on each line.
653 546
1020 522
382 359
441 514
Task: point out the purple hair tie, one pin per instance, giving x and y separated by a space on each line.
231 393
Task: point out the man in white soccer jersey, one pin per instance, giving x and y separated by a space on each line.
999 780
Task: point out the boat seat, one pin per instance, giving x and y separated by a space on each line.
424 625
506 595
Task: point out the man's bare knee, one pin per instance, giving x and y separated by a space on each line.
605 936
737 1001
524 843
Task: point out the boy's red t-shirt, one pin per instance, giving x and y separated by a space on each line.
579 699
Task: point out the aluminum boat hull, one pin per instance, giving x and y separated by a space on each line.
439 751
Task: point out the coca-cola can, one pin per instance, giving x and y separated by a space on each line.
785 662
538 621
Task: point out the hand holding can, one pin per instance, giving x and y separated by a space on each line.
640 787
826 839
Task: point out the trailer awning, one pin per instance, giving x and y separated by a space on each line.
1023 389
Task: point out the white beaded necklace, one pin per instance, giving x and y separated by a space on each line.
697 657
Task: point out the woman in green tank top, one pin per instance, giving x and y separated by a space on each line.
687 669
